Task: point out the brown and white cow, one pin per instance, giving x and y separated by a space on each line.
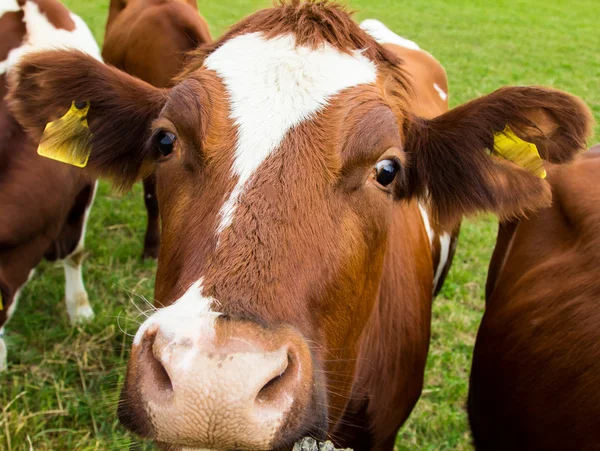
138 34
45 204
295 270
536 364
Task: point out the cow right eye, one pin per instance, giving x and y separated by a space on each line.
165 142
386 171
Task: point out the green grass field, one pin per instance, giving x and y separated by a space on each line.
62 385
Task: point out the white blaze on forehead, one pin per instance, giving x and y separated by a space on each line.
443 95
42 35
384 35
425 217
190 316
273 86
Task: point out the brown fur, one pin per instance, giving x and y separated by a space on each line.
536 364
316 243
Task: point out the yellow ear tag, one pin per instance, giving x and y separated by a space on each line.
69 138
510 146
1 304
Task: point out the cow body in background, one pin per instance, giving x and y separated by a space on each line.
536 364
149 39
45 204
295 272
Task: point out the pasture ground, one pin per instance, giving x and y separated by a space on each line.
61 389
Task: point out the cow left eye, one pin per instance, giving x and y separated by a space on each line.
386 171
165 142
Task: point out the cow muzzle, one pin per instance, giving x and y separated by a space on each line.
218 383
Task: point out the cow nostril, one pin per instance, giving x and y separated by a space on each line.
272 392
157 376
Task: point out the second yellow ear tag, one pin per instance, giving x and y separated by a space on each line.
69 138
1 304
510 146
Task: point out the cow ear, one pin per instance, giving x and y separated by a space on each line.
487 155
70 88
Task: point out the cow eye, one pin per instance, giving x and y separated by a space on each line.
386 171
165 142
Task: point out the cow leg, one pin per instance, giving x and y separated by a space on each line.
3 364
12 306
76 297
152 239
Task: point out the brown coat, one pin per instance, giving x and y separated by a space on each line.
536 364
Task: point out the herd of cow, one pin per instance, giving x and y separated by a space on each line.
311 183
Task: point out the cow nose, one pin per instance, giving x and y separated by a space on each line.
232 392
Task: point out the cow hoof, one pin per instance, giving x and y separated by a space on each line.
3 363
150 253
80 311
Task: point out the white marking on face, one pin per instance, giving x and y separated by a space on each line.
425 217
444 253
190 316
42 35
273 86
440 91
384 35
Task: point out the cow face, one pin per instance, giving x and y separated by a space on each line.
281 155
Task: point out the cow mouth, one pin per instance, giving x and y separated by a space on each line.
304 444
261 392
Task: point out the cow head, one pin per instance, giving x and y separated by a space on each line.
281 155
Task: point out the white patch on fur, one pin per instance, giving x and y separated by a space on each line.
425 217
190 316
7 6
76 297
42 35
384 35
445 240
440 91
273 86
